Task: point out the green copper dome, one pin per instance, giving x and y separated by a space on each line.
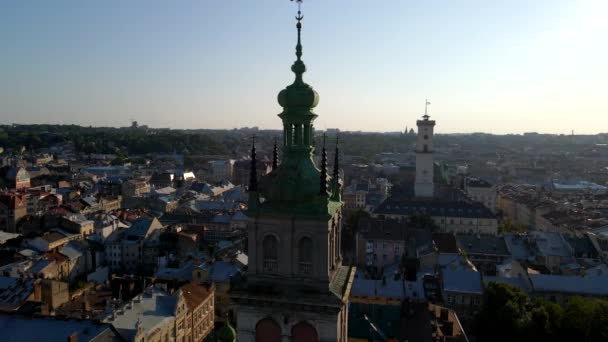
296 186
298 95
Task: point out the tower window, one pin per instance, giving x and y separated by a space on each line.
270 247
426 137
426 148
305 255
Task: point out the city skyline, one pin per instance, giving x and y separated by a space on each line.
485 67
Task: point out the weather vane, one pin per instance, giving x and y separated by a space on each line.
300 16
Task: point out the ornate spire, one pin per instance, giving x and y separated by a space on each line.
298 99
275 155
337 161
323 180
298 66
253 173
336 175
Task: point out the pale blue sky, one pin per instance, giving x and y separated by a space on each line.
486 65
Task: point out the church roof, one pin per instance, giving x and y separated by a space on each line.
343 278
408 207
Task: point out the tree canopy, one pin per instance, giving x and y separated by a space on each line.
508 314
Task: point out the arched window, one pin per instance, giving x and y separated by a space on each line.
305 255
426 148
267 330
270 247
304 332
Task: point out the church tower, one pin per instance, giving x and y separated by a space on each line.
296 287
424 187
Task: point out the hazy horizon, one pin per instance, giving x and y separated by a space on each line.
485 66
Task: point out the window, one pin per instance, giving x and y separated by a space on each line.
305 255
270 246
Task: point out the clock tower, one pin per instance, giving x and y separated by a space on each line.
424 187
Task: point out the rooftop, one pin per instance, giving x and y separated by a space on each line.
195 294
19 329
409 207
150 309
483 244
462 282
552 244
594 286
221 271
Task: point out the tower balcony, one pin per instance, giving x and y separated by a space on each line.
305 268
271 266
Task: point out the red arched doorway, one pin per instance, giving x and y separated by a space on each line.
267 330
304 332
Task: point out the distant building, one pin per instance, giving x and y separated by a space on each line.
481 191
78 224
162 179
155 315
135 187
18 178
134 248
222 275
380 243
558 288
13 207
221 170
424 187
414 321
53 240
462 291
449 216
485 251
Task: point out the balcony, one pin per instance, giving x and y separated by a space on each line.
305 268
271 266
